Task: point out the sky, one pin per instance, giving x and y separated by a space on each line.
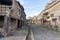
33 7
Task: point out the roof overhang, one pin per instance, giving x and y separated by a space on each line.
6 2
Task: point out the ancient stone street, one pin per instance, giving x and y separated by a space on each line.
20 34
44 34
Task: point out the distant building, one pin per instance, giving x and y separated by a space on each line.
34 20
29 20
11 14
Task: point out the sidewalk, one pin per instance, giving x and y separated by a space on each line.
18 34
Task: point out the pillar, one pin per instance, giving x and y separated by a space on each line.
7 24
13 3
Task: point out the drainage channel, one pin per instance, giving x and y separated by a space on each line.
30 35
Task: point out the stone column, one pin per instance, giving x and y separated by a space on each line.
13 3
7 24
4 26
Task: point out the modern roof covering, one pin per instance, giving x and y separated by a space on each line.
20 6
6 2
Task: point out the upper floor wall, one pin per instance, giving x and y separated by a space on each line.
49 5
16 9
4 6
53 11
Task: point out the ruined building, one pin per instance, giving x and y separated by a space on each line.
11 14
51 14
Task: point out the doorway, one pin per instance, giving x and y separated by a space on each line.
18 23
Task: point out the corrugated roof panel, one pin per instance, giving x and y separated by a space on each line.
6 2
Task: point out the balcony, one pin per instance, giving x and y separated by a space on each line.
46 13
3 9
6 2
2 13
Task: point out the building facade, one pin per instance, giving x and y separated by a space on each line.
34 20
51 14
11 15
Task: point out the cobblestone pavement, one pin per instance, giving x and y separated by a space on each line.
44 34
18 35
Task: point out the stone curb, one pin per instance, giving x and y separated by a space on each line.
32 35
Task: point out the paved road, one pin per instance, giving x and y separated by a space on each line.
44 34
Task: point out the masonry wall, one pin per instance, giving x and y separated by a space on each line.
14 23
16 11
55 9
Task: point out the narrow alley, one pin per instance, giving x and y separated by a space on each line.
29 19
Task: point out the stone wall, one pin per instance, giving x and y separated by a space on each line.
14 23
